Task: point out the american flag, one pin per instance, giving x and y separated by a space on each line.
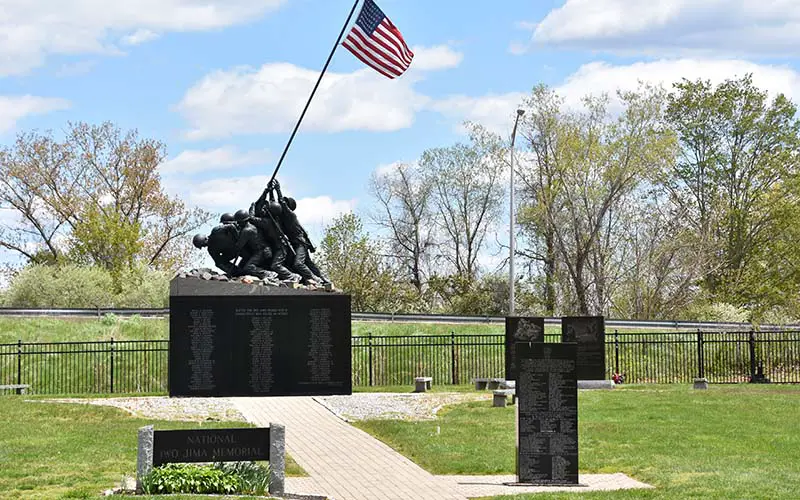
378 43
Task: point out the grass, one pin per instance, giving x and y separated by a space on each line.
728 442
70 329
54 450
67 329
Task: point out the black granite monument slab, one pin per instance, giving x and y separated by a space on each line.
210 445
520 329
237 339
547 418
589 332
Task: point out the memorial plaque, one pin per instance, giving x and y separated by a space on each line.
520 329
547 419
589 332
210 445
233 339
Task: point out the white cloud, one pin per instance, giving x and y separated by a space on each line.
269 100
493 111
317 212
600 77
17 107
389 168
34 28
231 194
226 194
437 57
496 112
139 36
730 27
192 161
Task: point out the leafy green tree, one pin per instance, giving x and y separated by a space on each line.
354 264
587 165
106 239
93 190
739 151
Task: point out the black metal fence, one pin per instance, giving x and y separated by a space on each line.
669 357
140 366
130 366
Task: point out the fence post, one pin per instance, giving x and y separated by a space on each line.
453 357
19 365
616 351
369 351
700 356
112 365
752 342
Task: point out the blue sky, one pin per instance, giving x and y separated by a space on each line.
221 82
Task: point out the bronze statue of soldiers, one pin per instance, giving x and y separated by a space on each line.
298 239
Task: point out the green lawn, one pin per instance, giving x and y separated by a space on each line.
50 450
64 329
728 442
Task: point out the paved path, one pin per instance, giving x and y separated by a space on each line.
344 463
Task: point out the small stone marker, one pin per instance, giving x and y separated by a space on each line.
422 383
500 397
494 383
701 383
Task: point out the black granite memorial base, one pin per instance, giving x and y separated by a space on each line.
547 483
236 339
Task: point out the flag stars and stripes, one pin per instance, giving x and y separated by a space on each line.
376 42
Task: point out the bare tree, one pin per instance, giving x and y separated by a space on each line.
467 193
405 212
587 162
97 194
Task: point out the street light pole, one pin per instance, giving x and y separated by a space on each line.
511 238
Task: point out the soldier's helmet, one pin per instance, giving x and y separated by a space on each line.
226 218
200 240
275 208
291 203
241 215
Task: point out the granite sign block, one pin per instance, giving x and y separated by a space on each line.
210 445
520 329
589 332
235 339
547 420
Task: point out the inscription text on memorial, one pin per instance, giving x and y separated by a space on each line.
281 344
547 422
589 332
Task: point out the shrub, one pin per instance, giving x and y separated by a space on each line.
73 286
718 311
221 478
254 478
64 286
143 288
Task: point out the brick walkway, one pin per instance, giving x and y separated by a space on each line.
345 463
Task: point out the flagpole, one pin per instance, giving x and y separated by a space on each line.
324 68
